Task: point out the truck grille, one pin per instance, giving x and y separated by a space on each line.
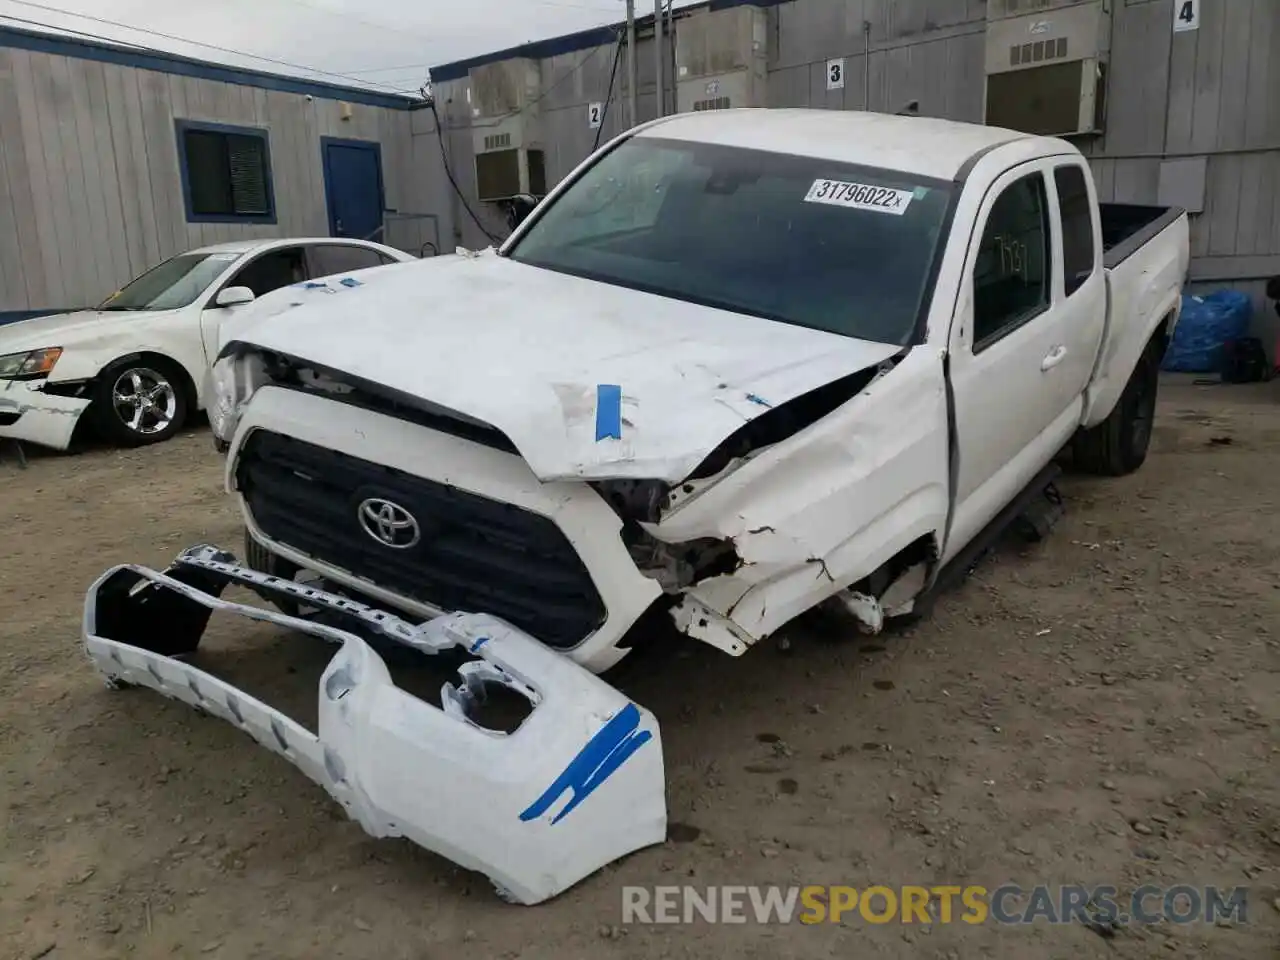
472 554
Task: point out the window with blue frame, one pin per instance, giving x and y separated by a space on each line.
226 173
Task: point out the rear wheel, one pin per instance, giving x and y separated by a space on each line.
1119 444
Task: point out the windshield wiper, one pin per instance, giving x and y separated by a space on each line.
118 309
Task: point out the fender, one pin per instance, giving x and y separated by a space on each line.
818 512
80 365
1144 291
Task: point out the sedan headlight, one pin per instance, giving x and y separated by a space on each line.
29 366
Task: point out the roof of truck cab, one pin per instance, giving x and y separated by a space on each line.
922 146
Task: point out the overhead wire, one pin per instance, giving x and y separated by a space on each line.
373 24
70 31
608 97
195 43
448 172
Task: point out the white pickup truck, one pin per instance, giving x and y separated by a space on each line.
737 365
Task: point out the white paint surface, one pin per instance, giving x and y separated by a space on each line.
547 341
403 767
808 516
92 339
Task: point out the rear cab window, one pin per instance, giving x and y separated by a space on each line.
1077 226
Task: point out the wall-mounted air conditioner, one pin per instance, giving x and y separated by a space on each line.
721 59
506 129
1046 63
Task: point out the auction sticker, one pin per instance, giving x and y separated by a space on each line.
859 196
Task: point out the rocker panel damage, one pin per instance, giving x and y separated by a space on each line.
578 784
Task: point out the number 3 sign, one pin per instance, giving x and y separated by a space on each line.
835 74
1186 15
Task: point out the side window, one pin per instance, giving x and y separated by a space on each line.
1011 276
1077 226
271 271
330 258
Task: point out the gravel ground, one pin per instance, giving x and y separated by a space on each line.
1102 708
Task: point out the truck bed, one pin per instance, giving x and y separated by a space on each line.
1127 226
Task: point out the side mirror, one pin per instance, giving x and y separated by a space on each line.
234 297
521 206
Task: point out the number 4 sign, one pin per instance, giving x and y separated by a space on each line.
835 74
595 113
1186 15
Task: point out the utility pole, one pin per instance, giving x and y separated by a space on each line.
657 57
632 77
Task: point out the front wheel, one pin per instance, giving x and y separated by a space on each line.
257 557
139 402
1119 444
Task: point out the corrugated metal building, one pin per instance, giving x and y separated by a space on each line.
1186 109
114 158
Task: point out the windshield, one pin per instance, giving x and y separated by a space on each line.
805 241
173 284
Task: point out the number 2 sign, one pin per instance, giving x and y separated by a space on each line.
595 114
1186 15
835 74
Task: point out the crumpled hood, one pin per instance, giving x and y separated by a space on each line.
527 350
67 330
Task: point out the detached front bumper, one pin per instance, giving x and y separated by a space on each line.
28 413
577 785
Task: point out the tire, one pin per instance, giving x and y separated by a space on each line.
1119 444
140 402
257 557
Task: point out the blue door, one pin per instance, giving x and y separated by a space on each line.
353 187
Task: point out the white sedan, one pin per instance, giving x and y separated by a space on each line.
137 364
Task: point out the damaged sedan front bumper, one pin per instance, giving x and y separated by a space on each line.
577 785
29 414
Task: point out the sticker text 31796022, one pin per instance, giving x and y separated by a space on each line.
860 196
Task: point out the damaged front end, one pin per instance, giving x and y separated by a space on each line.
578 784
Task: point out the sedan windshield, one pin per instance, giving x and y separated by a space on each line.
811 242
173 284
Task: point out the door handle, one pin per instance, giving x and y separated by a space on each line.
1053 358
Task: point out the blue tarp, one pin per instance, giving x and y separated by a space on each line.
1205 325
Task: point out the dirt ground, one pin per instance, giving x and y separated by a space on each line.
1102 708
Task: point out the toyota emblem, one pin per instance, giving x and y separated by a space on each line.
389 523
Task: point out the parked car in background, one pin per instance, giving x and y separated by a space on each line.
136 364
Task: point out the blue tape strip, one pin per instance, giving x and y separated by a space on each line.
608 411
350 282
759 400
604 753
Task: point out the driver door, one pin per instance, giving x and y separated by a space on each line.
262 274
1019 348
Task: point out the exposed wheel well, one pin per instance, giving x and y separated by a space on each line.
921 550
